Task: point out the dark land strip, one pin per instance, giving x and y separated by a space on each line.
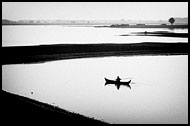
19 110
158 34
144 26
44 53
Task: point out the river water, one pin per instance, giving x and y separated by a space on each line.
38 35
158 94
159 88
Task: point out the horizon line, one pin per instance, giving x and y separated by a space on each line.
122 19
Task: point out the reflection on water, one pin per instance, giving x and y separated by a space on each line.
35 35
159 89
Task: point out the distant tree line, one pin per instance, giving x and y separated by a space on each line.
5 21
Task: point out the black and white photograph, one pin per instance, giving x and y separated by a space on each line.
95 62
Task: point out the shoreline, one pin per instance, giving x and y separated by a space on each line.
23 108
45 53
146 26
180 26
158 34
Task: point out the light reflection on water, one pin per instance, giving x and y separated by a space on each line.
37 35
159 93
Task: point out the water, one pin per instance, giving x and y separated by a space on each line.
37 35
159 91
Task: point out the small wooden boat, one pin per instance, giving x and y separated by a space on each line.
117 83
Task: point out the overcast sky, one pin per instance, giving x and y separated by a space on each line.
94 10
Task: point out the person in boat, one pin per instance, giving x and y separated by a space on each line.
118 79
117 82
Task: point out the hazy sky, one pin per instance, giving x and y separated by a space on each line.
94 10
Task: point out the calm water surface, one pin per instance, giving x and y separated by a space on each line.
159 91
37 35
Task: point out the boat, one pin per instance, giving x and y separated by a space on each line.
117 83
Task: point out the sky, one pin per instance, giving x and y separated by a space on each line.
93 10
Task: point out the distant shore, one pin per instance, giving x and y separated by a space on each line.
181 26
45 53
144 26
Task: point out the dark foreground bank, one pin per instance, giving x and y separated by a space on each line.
19 110
44 53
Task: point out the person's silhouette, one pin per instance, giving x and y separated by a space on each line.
118 79
117 82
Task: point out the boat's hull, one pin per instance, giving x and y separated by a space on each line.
117 83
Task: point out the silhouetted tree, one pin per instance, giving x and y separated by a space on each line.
171 20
